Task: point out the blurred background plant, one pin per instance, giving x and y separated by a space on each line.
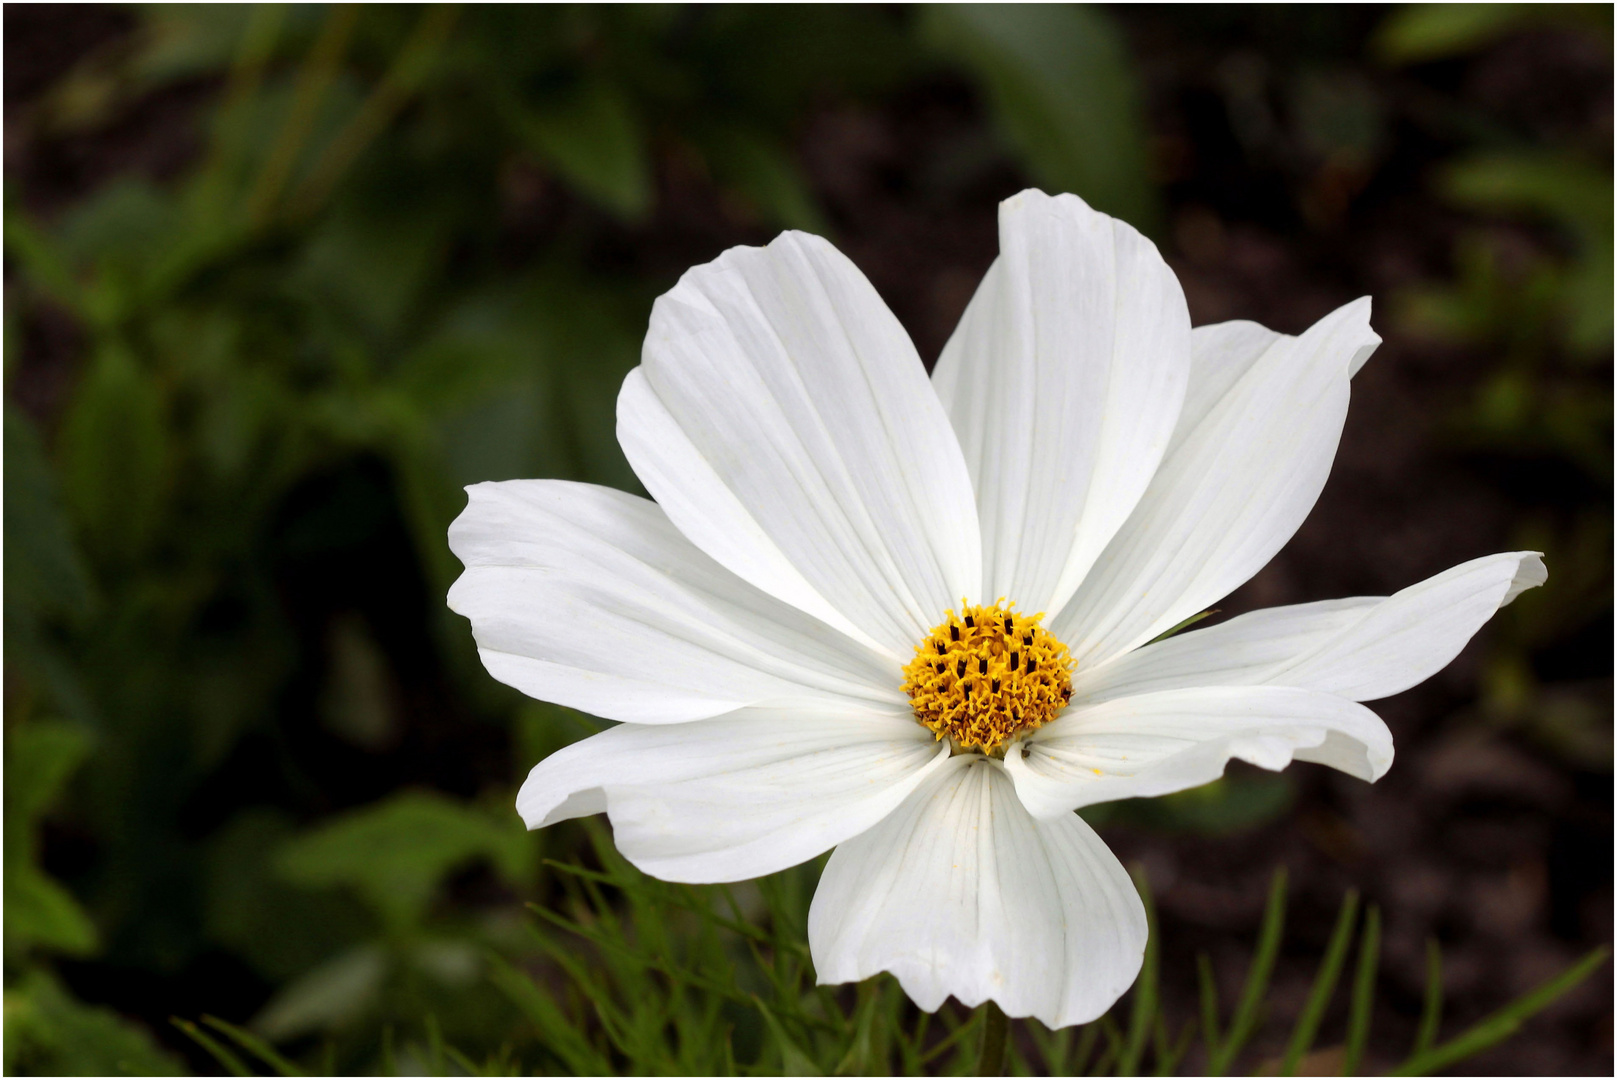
282 279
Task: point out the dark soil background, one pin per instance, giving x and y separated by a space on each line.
1487 836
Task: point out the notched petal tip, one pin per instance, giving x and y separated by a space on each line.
1530 574
1358 310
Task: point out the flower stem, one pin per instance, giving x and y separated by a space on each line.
996 1029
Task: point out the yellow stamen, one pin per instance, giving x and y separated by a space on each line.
986 676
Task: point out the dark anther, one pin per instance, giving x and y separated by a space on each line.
971 622
982 666
941 647
995 686
940 668
966 687
1016 660
1009 628
1027 639
1030 665
960 668
954 632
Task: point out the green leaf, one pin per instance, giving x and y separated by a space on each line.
40 756
1063 89
279 929
1247 1011
49 1032
556 1030
793 1061
763 172
331 996
1362 1001
1416 33
1431 1013
126 224
1144 1009
1504 1023
115 455
41 912
589 134
1302 1036
217 1050
44 573
1555 185
1182 624
254 1045
395 852
372 258
1207 988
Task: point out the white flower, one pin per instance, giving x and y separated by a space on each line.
826 517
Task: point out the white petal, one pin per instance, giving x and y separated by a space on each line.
590 598
738 796
1163 742
1220 354
1363 648
960 892
1231 491
783 419
1235 653
1414 633
1063 380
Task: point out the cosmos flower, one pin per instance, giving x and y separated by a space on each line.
915 620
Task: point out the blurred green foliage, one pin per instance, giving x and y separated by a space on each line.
328 281
635 976
1534 288
342 282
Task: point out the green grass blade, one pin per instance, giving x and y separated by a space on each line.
221 1054
1169 1065
1431 1014
1160 1047
1504 1023
560 1035
952 1038
467 1065
794 1062
1364 992
858 1058
1302 1036
435 1047
1114 1047
255 1046
996 1032
1144 1007
1087 1036
912 1044
1245 1020
1209 1001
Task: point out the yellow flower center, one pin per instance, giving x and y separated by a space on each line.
984 677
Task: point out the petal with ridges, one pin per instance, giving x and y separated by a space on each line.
590 598
1229 494
1414 633
1362 648
1159 743
1235 653
737 796
784 421
1063 381
959 892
